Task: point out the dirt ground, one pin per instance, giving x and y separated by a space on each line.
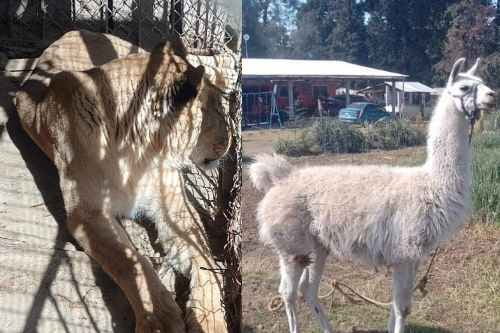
463 292
261 141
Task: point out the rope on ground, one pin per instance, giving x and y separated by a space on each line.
276 302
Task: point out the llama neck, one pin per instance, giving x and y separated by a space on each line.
449 154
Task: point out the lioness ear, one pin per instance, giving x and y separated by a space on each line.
195 75
187 88
174 45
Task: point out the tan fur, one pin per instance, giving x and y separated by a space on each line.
118 134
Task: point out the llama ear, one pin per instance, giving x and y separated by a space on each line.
457 66
473 69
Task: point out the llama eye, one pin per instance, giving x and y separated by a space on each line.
464 88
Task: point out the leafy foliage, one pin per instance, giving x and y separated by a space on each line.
414 37
472 34
393 135
334 136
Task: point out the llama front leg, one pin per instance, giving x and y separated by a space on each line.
403 276
291 271
310 289
104 239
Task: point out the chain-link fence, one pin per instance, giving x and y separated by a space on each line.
29 26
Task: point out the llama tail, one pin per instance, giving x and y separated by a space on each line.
267 170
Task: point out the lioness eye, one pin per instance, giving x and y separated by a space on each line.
464 88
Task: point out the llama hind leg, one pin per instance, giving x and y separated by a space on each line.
315 270
403 276
291 270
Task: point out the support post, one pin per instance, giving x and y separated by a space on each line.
393 102
291 107
347 92
386 97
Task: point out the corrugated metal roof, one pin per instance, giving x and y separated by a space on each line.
412 86
290 68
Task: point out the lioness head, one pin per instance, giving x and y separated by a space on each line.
216 126
190 87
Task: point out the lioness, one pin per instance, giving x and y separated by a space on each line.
118 134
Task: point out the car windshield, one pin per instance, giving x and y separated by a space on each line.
358 106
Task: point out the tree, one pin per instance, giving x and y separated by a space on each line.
330 29
267 23
347 40
472 34
314 26
406 36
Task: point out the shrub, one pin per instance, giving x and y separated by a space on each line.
334 136
393 135
298 146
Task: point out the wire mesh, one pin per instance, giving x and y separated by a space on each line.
31 25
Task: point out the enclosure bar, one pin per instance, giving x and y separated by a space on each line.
197 25
212 37
139 25
43 9
207 6
110 23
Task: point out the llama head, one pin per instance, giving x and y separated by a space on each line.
470 94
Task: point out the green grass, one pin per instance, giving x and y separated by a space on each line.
486 172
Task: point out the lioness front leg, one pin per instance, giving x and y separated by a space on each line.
104 239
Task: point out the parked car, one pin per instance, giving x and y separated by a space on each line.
360 113
333 104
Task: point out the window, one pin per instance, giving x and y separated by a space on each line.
283 91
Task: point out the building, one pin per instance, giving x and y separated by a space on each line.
298 83
412 99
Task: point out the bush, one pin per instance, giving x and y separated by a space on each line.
298 146
486 173
393 135
334 136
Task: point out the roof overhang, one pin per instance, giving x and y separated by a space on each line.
291 69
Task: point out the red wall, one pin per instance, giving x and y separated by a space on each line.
303 90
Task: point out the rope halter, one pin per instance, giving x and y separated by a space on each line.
473 115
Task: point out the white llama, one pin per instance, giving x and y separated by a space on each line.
379 215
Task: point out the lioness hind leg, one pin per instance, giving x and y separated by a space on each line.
103 238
